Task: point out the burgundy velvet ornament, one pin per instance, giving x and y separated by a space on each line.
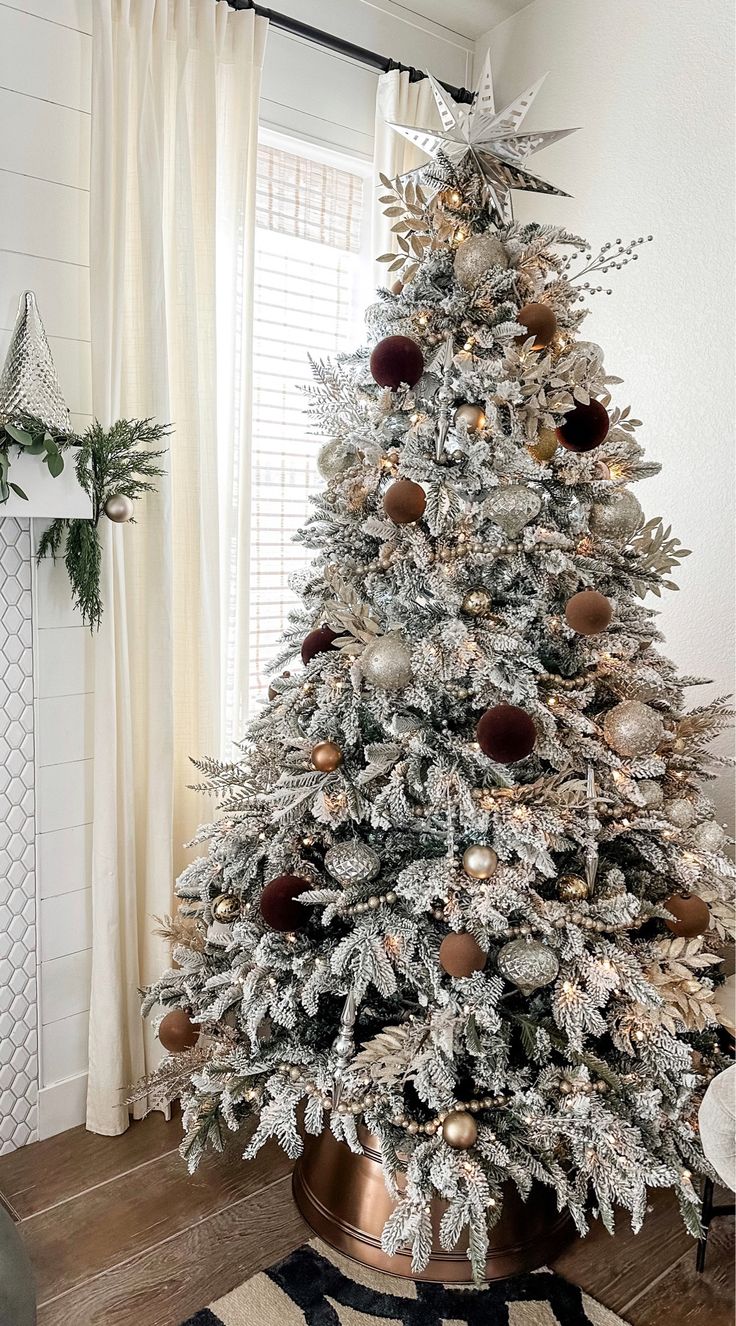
317 642
585 427
279 907
506 733
397 359
177 1032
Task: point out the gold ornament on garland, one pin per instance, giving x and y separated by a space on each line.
633 729
479 861
326 756
477 603
460 1130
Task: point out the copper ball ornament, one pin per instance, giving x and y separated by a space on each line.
571 888
317 642
326 756
540 322
545 446
404 502
585 427
506 733
461 955
691 913
226 908
473 416
396 359
460 1130
272 692
588 612
279 906
479 861
119 508
177 1032
477 603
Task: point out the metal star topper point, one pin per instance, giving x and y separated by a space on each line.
490 140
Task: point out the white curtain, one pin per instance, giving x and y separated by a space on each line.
174 123
400 101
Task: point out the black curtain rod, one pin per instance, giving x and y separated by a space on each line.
331 43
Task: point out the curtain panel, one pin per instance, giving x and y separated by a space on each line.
176 86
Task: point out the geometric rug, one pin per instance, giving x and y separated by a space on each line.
316 1286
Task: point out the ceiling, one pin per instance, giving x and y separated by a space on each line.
469 18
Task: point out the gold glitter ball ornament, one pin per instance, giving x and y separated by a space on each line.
477 603
475 256
571 888
651 792
386 662
479 861
226 908
633 729
460 1130
545 446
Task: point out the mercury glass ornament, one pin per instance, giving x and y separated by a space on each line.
334 458
633 729
617 518
352 863
528 964
651 792
680 812
572 887
386 662
118 508
226 908
512 507
477 603
474 257
479 861
709 836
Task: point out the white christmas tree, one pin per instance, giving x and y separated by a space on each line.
465 888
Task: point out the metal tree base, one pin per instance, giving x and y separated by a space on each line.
344 1199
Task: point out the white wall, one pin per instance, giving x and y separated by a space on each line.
651 84
45 50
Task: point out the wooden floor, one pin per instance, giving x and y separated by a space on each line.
118 1234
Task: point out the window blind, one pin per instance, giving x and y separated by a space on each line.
308 284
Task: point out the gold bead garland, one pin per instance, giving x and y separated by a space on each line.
371 904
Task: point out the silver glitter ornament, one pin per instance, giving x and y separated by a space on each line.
617 518
651 792
512 507
477 603
29 383
632 729
334 458
475 256
386 662
353 862
709 837
528 964
680 812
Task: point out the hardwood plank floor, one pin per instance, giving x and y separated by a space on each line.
120 1235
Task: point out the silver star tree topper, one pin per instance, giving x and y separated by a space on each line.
489 138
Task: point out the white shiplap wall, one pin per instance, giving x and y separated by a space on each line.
45 53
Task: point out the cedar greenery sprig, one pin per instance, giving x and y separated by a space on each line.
110 462
30 435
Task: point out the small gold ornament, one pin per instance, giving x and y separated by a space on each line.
226 908
473 416
479 862
572 887
326 756
477 603
460 1130
118 508
545 446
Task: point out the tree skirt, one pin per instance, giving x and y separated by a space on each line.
319 1287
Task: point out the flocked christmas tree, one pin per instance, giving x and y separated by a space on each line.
460 886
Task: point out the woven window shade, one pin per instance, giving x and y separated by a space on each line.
308 259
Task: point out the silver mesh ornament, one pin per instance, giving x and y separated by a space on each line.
528 964
618 517
29 384
352 863
386 662
632 729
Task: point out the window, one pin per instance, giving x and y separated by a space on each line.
310 292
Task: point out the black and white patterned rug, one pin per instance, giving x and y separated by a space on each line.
316 1286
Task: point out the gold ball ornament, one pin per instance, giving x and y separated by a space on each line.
226 908
680 812
118 508
571 888
633 729
479 861
475 256
460 1130
651 792
545 446
473 416
326 756
540 322
477 603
